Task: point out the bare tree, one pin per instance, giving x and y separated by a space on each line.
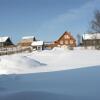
79 39
96 21
95 25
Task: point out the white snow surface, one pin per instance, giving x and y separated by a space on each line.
18 64
78 80
48 60
76 84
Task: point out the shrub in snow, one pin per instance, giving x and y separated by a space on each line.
70 48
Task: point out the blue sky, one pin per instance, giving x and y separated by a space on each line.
45 19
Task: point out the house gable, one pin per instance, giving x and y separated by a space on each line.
66 39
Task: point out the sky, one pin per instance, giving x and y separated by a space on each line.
45 19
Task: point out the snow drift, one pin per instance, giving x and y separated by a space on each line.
55 60
80 82
75 84
17 63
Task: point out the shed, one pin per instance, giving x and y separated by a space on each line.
37 45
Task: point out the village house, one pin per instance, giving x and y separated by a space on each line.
91 39
64 41
37 45
26 41
5 42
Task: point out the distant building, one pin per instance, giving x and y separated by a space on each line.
48 45
26 41
37 45
5 41
91 39
65 40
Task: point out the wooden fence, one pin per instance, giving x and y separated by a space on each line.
14 50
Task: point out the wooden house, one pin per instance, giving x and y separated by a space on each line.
91 39
5 42
37 45
64 41
26 41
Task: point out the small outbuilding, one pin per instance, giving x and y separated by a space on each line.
37 45
5 41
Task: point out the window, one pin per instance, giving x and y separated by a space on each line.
61 42
71 41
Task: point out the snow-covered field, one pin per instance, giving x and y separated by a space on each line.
48 60
66 75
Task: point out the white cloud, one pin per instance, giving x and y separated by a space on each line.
73 20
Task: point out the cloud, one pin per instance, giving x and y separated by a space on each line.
75 20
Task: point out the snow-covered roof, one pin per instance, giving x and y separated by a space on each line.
28 37
37 43
88 36
3 39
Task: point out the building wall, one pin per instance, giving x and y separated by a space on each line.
39 47
1 44
25 44
91 42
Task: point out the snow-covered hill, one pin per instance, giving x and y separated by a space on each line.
48 60
66 75
75 84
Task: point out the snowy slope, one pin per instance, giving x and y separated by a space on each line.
18 64
49 60
76 75
76 84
